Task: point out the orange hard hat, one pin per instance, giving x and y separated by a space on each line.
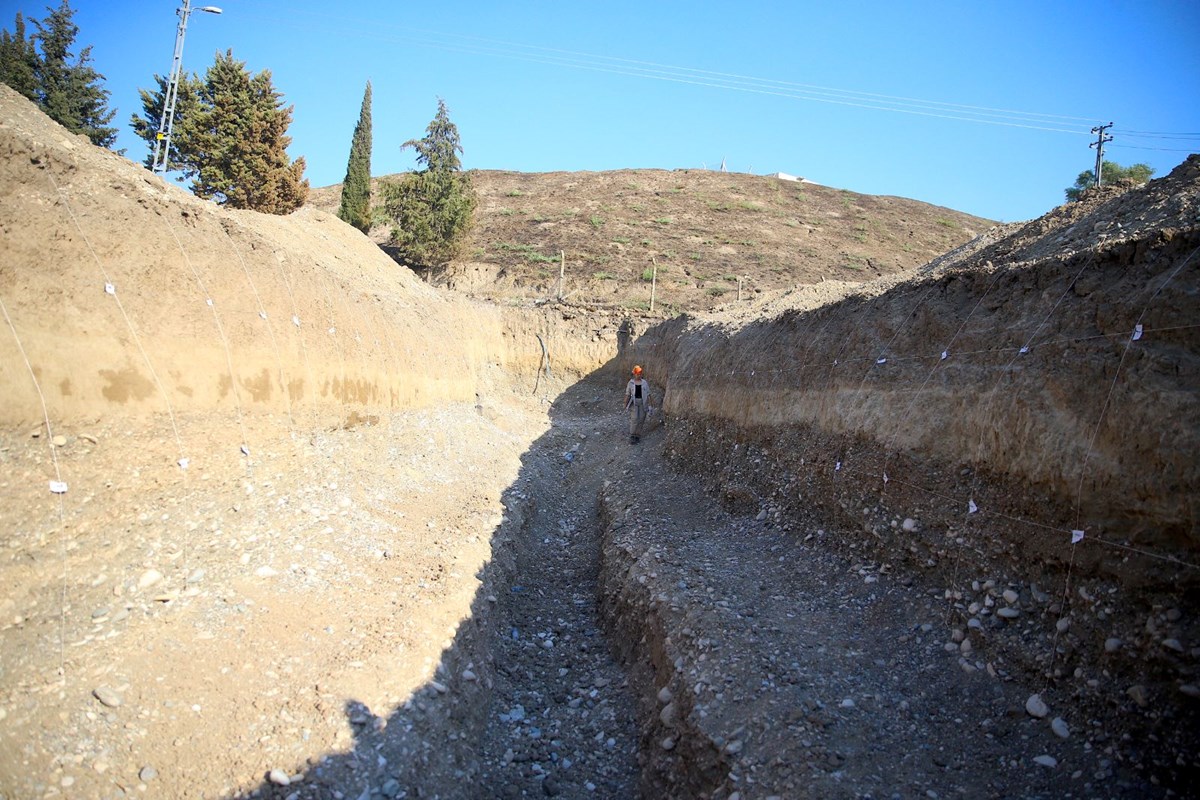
637 370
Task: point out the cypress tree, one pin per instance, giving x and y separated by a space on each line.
356 188
71 93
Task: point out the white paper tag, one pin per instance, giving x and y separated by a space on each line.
885 478
1076 537
262 315
183 463
58 487
1024 350
971 507
245 450
837 467
209 302
110 289
945 354
1137 331
296 321
332 331
881 361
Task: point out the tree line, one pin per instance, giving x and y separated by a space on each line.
229 139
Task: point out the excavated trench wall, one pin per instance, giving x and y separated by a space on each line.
126 296
1019 388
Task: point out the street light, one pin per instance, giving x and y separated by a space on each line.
162 140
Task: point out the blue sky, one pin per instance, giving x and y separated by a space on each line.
821 90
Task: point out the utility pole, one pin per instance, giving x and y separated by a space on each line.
166 123
1101 138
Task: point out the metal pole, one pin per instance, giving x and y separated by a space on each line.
1101 138
162 141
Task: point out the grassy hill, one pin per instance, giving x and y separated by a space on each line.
704 230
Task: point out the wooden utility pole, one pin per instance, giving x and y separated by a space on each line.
653 282
562 271
1101 138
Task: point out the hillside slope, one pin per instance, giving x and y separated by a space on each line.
704 230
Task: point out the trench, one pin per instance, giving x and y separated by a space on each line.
562 717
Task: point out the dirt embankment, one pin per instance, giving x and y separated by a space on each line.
1030 425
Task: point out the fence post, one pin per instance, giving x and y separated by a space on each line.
653 282
562 270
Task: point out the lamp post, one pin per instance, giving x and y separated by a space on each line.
162 140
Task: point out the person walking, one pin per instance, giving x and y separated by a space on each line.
637 403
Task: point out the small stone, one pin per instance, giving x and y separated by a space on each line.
1173 644
107 696
278 777
147 774
664 695
59 441
1008 612
761 516
1036 707
469 675
1060 728
266 572
1190 689
149 578
100 766
1112 644
734 747
909 525
1138 695
551 787
667 715
1062 625
848 703
1010 596
67 782
667 743
390 788
1046 761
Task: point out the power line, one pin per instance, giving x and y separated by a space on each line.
687 75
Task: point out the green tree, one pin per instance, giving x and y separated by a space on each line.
230 138
69 90
187 101
356 188
432 209
19 60
1110 172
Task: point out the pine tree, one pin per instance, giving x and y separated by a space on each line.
186 103
356 188
71 93
19 60
230 137
432 209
